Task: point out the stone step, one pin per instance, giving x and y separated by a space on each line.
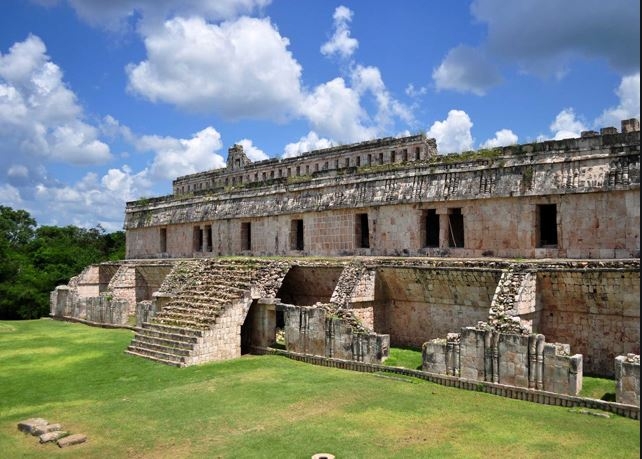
209 310
145 355
170 350
172 329
204 298
183 322
156 334
196 315
161 355
163 341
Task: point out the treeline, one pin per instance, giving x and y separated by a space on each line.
35 259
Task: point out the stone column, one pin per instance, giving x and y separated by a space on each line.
444 228
203 240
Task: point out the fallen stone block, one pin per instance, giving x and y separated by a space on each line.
74 439
52 436
39 430
30 425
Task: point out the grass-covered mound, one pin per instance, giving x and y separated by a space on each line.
266 406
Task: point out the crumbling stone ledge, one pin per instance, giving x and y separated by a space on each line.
518 393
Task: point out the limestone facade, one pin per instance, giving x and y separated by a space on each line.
574 198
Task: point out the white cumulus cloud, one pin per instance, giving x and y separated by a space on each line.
334 110
566 125
252 152
238 69
307 143
341 43
39 116
175 157
503 138
629 107
452 134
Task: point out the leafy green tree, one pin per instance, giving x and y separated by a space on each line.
34 260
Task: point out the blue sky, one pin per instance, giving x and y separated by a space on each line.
103 102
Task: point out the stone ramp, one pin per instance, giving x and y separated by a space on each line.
198 324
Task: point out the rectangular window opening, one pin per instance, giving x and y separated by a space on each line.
547 225
163 240
208 238
456 228
197 239
362 231
431 220
296 235
246 236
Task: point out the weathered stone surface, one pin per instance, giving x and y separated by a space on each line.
53 436
74 439
30 425
39 430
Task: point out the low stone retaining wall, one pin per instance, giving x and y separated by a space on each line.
531 395
65 303
505 358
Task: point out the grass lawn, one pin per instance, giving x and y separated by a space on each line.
264 406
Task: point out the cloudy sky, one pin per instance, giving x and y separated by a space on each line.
104 102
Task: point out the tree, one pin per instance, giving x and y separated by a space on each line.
34 260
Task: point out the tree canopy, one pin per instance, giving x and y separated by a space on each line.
35 259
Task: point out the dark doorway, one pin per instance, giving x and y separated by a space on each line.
296 235
163 240
362 232
246 236
456 228
547 223
197 239
431 220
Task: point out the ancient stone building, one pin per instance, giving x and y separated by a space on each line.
574 198
515 266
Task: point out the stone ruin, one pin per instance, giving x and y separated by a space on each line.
516 266
502 322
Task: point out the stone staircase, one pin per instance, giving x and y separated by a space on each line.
188 329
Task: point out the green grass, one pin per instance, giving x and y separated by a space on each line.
266 406
404 357
599 388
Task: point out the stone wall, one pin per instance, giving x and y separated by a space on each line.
595 225
596 311
110 292
66 304
223 341
324 332
415 304
514 360
329 161
627 378
573 198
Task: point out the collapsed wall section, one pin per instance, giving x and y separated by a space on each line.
327 331
108 293
504 358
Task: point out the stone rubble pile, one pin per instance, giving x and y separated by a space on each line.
345 285
345 315
46 432
502 316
